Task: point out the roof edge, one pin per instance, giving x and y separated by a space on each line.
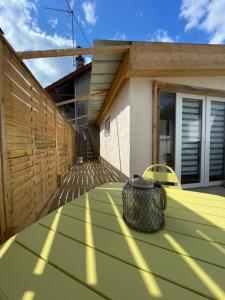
69 76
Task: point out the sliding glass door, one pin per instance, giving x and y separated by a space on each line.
190 139
215 143
200 132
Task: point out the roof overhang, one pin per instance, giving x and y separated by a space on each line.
104 69
147 59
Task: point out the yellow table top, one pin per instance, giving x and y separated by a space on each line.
86 251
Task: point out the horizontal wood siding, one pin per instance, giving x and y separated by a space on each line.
37 145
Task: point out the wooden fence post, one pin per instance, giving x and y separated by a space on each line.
2 198
58 177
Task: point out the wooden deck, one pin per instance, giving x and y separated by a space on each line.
82 178
86 251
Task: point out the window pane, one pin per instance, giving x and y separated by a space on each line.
191 141
167 129
216 165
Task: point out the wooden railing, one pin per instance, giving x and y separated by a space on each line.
37 145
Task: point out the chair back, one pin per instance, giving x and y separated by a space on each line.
163 177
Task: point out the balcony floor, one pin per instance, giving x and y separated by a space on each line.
82 178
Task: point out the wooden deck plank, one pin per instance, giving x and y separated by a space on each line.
18 279
106 279
80 179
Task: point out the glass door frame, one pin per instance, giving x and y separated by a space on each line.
178 138
209 100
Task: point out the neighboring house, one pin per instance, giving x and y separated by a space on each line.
75 84
165 103
71 86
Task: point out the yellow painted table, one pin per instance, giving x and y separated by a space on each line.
85 251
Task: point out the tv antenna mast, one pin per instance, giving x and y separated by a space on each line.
71 13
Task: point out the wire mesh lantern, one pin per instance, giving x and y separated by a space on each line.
143 204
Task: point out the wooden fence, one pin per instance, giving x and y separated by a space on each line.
37 145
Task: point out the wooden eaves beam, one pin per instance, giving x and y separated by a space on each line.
71 52
86 125
81 98
84 116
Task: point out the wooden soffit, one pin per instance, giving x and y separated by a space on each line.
121 75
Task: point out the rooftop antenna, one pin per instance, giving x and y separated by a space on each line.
73 18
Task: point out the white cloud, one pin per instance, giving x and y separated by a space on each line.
26 34
119 36
140 14
81 21
205 15
88 59
160 35
89 9
53 22
71 3
193 11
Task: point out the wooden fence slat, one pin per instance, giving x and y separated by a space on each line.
37 145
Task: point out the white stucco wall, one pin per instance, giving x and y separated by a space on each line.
129 146
115 148
141 124
141 114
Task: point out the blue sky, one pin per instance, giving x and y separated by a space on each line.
127 19
29 26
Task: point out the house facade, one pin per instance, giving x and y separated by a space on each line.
165 104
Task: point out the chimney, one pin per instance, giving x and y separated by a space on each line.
79 60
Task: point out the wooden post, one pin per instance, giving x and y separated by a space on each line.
58 178
2 152
155 122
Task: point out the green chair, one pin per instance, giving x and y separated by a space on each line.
168 178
